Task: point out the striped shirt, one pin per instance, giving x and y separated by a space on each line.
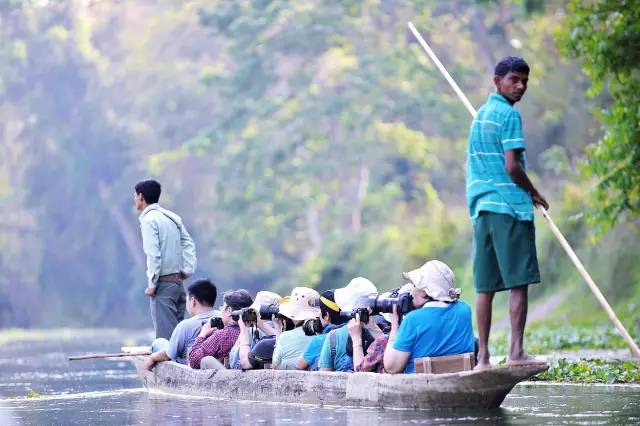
496 128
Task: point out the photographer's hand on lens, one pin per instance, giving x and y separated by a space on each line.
395 318
355 328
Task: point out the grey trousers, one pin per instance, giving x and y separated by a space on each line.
167 308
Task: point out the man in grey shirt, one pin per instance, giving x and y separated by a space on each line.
171 257
201 297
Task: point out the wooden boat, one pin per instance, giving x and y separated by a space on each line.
466 389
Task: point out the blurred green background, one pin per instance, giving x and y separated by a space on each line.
303 143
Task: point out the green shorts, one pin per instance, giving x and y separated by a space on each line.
504 253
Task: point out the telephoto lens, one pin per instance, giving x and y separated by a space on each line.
247 315
312 327
404 303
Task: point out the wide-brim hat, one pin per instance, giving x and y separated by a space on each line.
354 293
265 298
436 279
302 305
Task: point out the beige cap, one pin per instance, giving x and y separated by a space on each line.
303 304
348 297
436 279
265 298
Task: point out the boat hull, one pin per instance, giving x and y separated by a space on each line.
468 389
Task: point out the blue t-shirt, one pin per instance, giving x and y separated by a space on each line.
184 335
312 352
342 361
437 329
496 128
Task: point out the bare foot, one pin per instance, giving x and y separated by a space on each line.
482 360
526 359
482 366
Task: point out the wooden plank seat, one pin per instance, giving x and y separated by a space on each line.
445 364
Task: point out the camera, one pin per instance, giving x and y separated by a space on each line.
247 315
267 311
312 327
216 322
362 312
403 302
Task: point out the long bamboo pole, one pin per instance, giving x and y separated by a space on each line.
563 242
118 355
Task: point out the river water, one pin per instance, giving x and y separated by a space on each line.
105 392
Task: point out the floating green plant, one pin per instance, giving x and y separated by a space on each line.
591 371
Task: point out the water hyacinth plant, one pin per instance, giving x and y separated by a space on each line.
591 371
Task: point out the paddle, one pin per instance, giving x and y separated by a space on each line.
118 355
563 242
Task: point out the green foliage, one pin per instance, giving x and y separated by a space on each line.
591 371
303 143
548 339
605 36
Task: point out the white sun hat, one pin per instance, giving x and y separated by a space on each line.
265 298
303 304
436 279
349 297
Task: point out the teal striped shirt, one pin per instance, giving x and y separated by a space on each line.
496 128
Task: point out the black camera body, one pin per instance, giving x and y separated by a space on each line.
247 315
362 312
268 311
403 302
216 322
312 327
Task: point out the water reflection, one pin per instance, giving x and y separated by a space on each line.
108 393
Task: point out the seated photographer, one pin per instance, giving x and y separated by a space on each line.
201 296
215 344
257 355
330 317
254 331
334 355
291 339
441 327
371 361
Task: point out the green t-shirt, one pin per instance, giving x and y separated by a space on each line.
289 346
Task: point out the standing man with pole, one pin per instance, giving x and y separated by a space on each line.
171 257
500 198
552 226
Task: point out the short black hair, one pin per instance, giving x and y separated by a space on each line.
334 316
511 63
204 291
150 190
237 299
